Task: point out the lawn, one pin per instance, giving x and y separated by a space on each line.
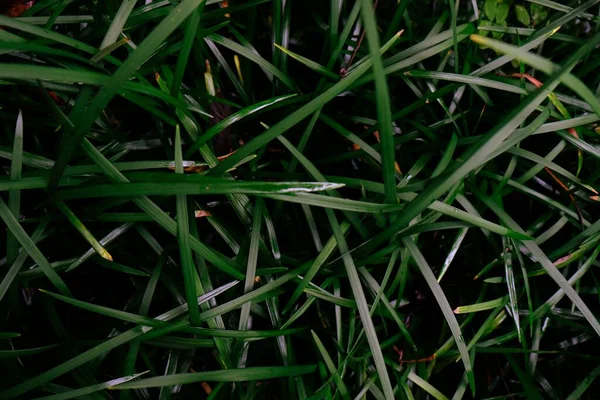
276 199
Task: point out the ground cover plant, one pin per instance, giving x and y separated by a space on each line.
299 200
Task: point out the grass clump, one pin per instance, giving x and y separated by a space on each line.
268 199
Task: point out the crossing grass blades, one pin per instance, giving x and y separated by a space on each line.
267 199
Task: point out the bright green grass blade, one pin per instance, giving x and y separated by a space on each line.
83 230
232 375
117 24
292 119
484 305
91 389
384 112
102 348
14 196
183 238
29 246
122 75
442 301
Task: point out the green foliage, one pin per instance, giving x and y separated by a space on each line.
250 200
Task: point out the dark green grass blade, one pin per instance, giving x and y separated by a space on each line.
384 112
14 196
232 375
183 237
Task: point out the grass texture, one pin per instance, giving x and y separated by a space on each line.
269 199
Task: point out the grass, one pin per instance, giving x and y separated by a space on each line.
332 200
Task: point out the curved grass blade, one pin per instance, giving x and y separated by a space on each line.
27 352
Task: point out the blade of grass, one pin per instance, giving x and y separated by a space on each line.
384 112
183 238
118 22
232 375
14 196
252 262
83 231
339 381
